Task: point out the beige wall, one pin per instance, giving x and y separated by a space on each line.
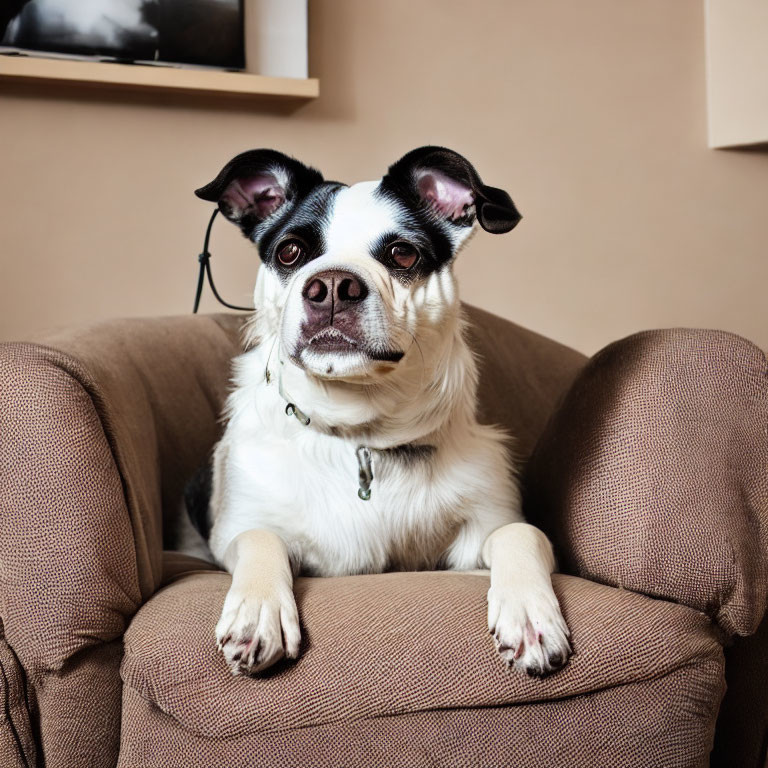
591 114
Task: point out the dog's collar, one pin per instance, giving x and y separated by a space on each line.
291 409
406 451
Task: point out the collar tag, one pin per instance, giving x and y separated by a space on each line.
365 472
363 453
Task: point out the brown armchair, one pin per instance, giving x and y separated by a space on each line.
648 465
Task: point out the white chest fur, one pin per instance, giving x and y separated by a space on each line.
429 507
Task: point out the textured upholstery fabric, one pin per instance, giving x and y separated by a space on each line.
653 473
67 562
158 385
415 645
177 564
79 709
522 376
661 722
396 643
17 743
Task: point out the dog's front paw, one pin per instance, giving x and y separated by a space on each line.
529 630
257 630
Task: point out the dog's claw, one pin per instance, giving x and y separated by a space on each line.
251 631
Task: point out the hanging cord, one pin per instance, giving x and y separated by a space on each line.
363 453
205 269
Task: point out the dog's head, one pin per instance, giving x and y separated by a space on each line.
353 276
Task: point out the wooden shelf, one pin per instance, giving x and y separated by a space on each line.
158 78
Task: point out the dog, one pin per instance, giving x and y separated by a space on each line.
351 443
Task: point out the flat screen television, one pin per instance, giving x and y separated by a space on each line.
198 32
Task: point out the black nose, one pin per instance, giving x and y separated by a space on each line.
334 289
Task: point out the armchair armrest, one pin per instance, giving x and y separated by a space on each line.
68 573
99 428
653 472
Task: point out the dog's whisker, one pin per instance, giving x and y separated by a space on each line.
421 352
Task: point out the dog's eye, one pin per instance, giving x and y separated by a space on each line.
404 255
290 252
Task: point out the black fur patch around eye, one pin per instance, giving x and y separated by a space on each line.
306 221
428 260
416 226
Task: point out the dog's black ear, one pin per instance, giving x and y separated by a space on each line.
449 186
256 184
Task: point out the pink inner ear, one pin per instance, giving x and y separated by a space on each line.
447 196
261 195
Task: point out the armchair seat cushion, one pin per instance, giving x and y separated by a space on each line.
409 644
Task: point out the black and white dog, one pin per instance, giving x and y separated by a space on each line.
351 443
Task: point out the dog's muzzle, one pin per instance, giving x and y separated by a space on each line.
337 324
333 306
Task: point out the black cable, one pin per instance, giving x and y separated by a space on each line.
205 269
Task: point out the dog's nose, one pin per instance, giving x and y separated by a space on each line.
334 289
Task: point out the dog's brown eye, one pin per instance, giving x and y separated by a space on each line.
404 255
289 253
